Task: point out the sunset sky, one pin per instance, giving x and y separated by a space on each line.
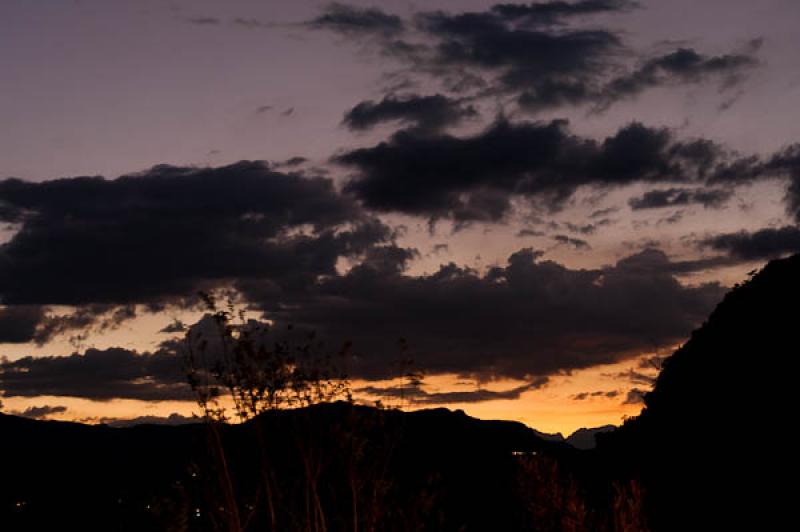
542 199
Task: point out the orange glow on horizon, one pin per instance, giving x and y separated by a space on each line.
552 408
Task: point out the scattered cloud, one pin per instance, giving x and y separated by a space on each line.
177 326
357 21
417 395
682 66
40 412
575 243
757 245
583 396
672 197
424 113
556 12
522 233
635 397
204 21
535 53
100 375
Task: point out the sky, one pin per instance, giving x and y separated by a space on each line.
542 199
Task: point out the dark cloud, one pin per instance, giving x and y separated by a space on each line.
654 261
503 50
555 12
417 395
291 162
530 317
175 327
98 318
171 231
98 375
758 245
636 377
204 21
357 21
118 373
527 320
425 113
587 229
19 323
671 197
251 23
600 213
635 397
782 165
75 323
588 395
529 232
548 68
40 324
527 51
787 163
41 412
551 67
473 178
673 218
682 66
576 243
551 93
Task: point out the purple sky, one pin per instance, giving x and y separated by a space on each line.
548 172
105 88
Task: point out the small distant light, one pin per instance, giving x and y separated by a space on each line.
523 453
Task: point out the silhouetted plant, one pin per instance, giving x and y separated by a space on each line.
411 377
551 498
628 511
241 364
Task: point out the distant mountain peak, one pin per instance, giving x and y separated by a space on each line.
584 438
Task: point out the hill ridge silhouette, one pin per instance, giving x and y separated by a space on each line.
688 445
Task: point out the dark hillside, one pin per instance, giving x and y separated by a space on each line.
704 445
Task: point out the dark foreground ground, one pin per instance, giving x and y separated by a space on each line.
712 451
434 470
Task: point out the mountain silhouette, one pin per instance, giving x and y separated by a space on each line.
446 470
699 445
585 438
